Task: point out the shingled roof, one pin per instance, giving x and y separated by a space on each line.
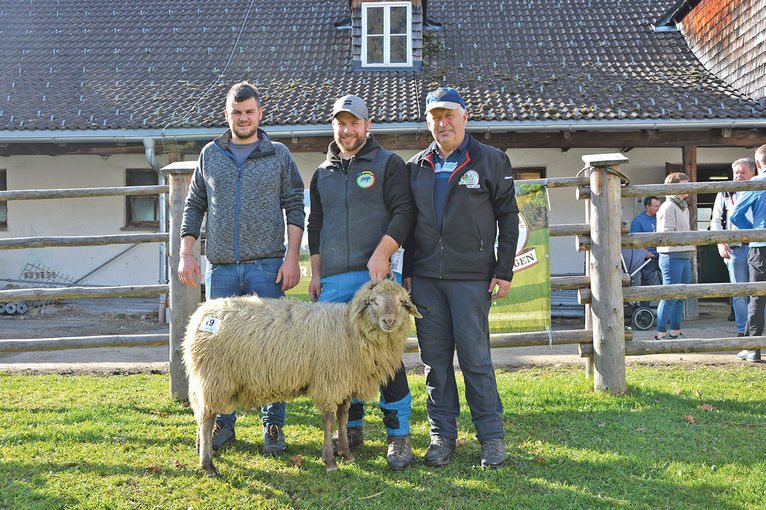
135 65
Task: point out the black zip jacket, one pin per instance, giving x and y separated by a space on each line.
480 201
351 210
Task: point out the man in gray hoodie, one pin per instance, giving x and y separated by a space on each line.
243 181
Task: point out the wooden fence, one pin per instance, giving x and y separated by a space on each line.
603 342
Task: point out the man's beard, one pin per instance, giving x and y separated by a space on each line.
358 142
248 134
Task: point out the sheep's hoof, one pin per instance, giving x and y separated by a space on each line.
332 467
347 457
211 471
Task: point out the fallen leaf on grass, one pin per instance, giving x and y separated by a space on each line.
178 464
459 443
372 495
539 460
602 424
186 404
159 413
153 467
641 429
297 460
689 418
706 407
546 374
698 392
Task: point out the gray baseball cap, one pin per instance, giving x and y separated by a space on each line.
351 104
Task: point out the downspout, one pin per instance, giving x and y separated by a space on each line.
162 220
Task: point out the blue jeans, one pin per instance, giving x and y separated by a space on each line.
395 398
739 272
456 317
228 280
674 270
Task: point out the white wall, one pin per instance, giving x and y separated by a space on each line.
76 216
106 215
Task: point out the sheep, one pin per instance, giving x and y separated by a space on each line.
244 351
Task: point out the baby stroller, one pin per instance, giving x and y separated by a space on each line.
633 261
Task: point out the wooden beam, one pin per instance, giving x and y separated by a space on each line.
81 292
647 190
14 243
82 342
682 291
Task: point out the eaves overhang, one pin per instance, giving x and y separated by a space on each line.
119 136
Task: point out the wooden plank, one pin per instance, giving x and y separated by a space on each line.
683 291
568 229
16 243
557 182
523 339
579 282
647 190
82 342
645 239
39 194
642 347
81 292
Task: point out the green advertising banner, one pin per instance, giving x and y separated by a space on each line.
527 307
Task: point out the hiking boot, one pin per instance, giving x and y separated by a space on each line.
399 454
355 439
273 440
493 453
222 434
439 451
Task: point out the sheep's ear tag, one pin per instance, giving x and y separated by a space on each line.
413 310
210 324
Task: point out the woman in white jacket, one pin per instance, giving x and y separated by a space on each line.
675 261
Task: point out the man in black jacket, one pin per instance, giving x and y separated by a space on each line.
361 212
465 198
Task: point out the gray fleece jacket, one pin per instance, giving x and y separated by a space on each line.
244 203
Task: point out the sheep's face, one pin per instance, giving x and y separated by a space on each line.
388 305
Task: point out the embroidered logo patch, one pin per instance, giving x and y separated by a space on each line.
365 179
470 179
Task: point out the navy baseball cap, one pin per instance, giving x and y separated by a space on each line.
444 97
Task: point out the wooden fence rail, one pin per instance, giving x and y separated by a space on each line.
81 292
38 194
15 243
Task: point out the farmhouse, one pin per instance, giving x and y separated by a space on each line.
105 93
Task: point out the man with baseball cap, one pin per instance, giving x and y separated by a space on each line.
361 213
464 195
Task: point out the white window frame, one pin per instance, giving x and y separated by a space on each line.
386 34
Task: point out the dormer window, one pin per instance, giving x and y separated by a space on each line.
387 34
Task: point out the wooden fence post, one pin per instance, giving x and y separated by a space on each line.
605 273
183 299
588 311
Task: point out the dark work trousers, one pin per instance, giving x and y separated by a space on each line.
756 261
455 317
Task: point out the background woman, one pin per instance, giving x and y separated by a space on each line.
675 261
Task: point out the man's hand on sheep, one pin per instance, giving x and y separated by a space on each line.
379 264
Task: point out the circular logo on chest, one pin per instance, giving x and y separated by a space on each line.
365 179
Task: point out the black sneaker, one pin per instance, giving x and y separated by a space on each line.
273 440
355 439
399 454
493 453
222 434
439 451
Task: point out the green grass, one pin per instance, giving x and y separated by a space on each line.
121 442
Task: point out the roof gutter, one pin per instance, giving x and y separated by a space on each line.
300 131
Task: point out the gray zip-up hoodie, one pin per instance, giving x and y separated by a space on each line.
244 204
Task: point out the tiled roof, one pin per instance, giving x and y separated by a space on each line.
72 65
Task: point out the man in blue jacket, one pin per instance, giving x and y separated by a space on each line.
361 212
243 181
754 201
465 199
